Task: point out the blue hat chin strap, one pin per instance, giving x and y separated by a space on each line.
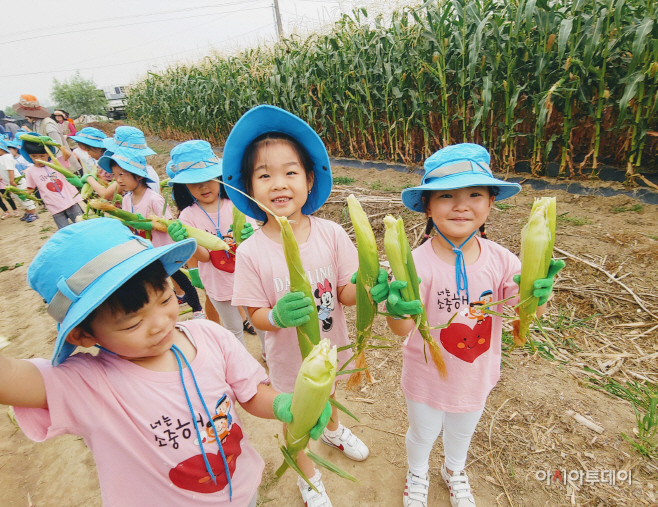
460 265
177 352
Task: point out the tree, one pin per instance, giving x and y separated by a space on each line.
9 111
78 96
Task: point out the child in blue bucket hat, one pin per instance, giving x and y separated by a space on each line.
90 149
131 138
278 159
195 173
148 404
460 273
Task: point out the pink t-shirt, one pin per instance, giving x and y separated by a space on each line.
152 203
218 283
329 258
471 345
56 193
138 425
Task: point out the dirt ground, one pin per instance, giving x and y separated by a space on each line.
593 322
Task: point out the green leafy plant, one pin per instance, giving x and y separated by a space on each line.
343 180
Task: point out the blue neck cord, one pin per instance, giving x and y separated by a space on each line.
177 352
54 183
460 265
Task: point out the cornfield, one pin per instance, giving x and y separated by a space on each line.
573 81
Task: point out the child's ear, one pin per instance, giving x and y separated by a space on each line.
310 178
81 338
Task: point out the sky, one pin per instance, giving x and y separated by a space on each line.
117 42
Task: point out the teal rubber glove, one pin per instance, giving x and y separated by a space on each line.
75 181
292 310
544 286
281 408
195 278
176 231
397 306
247 231
142 226
380 290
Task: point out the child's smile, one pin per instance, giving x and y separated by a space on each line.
458 213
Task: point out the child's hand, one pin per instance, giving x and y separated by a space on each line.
247 231
75 181
380 290
396 305
176 231
544 286
281 408
86 176
292 310
195 278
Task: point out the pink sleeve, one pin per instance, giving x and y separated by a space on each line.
243 372
73 401
512 267
29 180
348 257
249 291
187 216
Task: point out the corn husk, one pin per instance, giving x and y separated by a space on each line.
57 166
402 264
308 335
86 192
537 240
366 278
18 191
313 386
239 220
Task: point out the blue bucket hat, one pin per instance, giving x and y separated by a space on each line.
4 144
130 160
457 166
91 137
262 120
128 137
193 162
81 265
22 150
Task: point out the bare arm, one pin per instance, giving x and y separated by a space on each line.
261 404
401 327
21 384
202 254
258 317
347 294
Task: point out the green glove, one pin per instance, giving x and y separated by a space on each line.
281 408
544 286
176 231
75 181
247 231
292 310
142 226
21 197
396 305
85 176
380 291
195 278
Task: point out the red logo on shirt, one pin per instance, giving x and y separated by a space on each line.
54 185
465 343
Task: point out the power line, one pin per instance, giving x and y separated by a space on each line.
136 61
127 24
133 16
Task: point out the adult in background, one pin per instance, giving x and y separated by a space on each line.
66 126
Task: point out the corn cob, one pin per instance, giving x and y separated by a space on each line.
163 183
239 219
308 335
18 191
313 386
19 178
537 240
42 140
366 278
404 269
57 167
86 192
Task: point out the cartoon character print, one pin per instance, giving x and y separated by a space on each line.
54 184
222 260
327 304
191 474
468 343
475 310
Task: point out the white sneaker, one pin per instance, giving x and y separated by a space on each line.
460 489
198 315
310 497
416 490
344 440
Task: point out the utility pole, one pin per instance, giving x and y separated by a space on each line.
277 15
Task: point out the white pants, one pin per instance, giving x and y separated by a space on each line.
425 424
231 319
27 204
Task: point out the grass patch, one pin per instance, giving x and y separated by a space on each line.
45 229
343 180
565 219
653 237
636 208
44 237
376 185
503 206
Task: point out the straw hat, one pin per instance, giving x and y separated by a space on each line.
29 106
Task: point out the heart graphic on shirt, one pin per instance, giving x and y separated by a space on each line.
465 343
192 475
54 185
